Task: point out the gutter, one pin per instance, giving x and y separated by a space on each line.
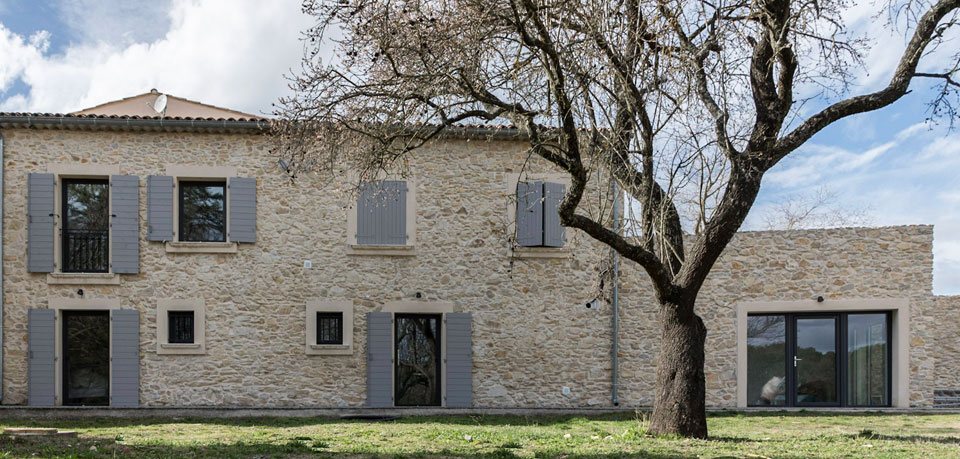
1 266
615 300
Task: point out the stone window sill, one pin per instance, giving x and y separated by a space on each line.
382 250
83 279
201 247
541 252
180 348
330 349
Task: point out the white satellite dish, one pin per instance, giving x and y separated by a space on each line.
160 105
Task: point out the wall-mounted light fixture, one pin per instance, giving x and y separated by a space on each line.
80 292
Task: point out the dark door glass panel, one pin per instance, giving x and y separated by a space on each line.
203 211
417 372
86 226
867 360
766 360
816 360
86 357
180 324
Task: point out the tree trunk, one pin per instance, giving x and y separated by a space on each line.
679 405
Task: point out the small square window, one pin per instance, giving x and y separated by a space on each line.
329 328
203 211
180 327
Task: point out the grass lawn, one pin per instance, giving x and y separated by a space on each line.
798 435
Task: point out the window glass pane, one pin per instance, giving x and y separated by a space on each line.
86 223
329 328
766 360
867 360
816 360
180 324
86 357
203 211
417 371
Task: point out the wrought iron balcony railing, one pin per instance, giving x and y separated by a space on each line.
86 251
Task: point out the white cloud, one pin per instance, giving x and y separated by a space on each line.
232 53
116 22
816 160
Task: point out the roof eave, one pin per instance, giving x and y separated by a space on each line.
258 126
133 124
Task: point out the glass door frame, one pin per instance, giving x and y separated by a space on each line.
841 339
65 399
791 348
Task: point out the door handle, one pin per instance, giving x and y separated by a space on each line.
795 360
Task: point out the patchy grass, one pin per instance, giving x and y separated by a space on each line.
790 435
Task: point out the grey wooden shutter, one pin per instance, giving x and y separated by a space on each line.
159 208
459 360
382 213
530 214
41 328
124 358
125 223
379 359
40 222
553 231
242 209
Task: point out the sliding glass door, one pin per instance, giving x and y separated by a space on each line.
839 359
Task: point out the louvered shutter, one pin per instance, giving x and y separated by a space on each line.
125 223
41 330
459 360
40 222
379 360
242 209
382 213
124 358
160 208
553 231
530 214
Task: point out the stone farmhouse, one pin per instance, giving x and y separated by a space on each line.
167 260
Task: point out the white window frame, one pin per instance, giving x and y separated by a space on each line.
312 308
199 345
79 171
191 173
900 325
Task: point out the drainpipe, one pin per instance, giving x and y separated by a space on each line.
615 300
1 267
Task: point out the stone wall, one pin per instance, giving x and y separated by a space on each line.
532 334
848 263
946 316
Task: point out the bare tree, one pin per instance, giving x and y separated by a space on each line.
818 209
663 96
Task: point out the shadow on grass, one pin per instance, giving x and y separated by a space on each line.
104 447
905 438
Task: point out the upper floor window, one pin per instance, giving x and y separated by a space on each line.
538 220
203 211
382 213
85 231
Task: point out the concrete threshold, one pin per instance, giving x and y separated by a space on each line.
214 412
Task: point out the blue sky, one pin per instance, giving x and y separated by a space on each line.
63 55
